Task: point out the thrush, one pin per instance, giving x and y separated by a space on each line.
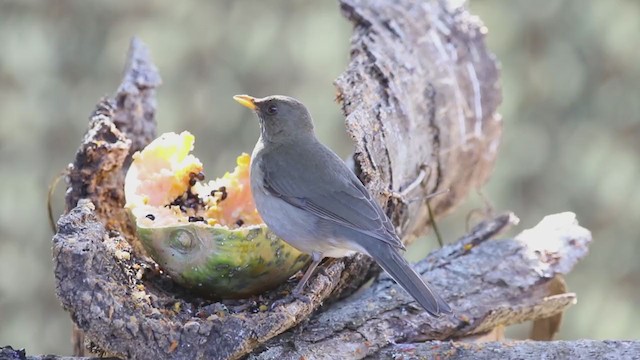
308 196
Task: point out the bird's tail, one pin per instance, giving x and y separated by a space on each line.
398 267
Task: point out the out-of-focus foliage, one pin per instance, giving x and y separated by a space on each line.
571 110
571 87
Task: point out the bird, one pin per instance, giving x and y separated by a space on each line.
308 196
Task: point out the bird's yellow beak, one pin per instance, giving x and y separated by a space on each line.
246 100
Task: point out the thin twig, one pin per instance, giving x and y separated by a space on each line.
52 190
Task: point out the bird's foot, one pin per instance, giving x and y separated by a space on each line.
289 299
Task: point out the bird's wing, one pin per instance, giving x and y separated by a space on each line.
327 189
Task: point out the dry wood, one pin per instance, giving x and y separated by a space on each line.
420 97
488 283
522 350
420 93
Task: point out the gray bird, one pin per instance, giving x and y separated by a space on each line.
308 196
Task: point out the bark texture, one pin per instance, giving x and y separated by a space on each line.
420 97
118 128
420 93
523 350
488 283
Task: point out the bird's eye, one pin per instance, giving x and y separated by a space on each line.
272 110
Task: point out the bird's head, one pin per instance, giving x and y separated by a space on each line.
281 117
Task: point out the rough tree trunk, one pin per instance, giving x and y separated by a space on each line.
420 97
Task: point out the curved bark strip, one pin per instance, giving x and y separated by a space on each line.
118 128
488 283
407 108
420 93
97 174
127 308
135 98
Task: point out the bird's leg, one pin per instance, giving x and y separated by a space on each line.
296 294
317 258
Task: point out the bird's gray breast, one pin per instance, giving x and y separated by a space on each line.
293 225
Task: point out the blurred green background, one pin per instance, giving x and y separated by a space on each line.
571 83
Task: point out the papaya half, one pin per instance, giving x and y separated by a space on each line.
207 236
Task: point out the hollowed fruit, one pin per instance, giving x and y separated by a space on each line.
205 235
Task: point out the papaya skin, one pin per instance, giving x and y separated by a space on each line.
222 263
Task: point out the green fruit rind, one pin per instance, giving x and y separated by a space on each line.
222 262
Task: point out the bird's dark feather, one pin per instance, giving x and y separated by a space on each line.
333 193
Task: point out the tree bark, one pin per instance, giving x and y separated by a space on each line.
420 97
488 283
420 94
524 350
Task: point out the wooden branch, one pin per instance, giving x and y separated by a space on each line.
420 96
488 284
523 350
